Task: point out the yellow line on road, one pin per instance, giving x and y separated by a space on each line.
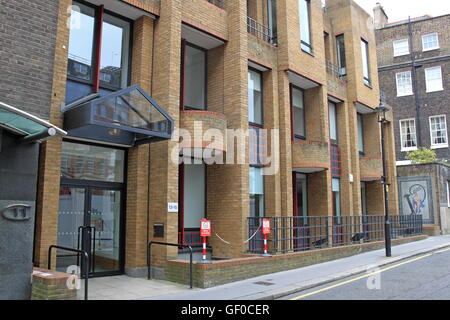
365 276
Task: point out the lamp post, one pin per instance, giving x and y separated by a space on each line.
381 111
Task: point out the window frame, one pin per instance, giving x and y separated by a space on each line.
258 168
404 93
433 48
366 60
360 119
297 137
441 87
184 45
396 54
255 124
305 46
440 145
342 69
406 149
448 193
95 82
334 142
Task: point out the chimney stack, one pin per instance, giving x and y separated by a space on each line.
379 16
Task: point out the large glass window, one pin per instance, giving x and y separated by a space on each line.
298 114
408 134
365 61
89 162
302 196
438 128
195 78
255 104
305 25
340 46
333 122
256 192
433 79
194 195
88 43
404 84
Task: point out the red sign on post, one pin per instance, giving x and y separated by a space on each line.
266 226
205 228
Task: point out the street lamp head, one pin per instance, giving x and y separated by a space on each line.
381 110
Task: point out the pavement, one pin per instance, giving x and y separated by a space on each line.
267 287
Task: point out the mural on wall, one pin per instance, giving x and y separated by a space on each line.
415 197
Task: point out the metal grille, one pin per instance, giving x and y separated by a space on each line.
335 155
291 234
260 30
257 145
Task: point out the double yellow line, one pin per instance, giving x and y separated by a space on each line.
368 275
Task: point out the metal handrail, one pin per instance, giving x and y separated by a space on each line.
149 255
80 245
86 261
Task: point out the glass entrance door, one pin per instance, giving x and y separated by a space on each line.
99 209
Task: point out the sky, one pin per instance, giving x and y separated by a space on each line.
400 9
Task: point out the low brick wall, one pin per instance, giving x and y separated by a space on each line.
225 271
51 285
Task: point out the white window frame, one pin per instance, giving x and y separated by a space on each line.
437 42
402 148
403 93
440 145
437 88
396 51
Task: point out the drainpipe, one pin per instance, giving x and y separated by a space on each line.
414 82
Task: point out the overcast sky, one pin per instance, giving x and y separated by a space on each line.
400 9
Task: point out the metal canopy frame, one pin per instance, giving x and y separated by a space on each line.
19 121
127 112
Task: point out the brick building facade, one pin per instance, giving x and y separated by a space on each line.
302 77
420 94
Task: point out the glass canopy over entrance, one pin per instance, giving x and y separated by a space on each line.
26 125
127 117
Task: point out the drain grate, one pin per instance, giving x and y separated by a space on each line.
264 283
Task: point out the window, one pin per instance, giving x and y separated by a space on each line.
438 129
433 79
88 43
305 25
360 134
255 105
340 46
256 191
298 114
408 134
404 84
401 47
194 77
333 123
194 195
301 194
430 42
336 190
448 193
365 61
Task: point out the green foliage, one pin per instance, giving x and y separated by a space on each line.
422 155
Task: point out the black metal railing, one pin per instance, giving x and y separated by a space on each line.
260 31
218 3
85 264
290 234
149 258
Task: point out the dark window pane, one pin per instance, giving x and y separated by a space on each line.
76 90
341 55
195 78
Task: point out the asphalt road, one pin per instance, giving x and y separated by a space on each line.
425 277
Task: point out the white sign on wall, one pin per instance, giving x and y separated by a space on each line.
172 207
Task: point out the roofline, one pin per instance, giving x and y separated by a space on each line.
403 22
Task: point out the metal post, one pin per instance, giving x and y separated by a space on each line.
387 224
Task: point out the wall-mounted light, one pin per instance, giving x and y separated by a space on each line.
114 132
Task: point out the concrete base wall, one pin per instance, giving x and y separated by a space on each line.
222 272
